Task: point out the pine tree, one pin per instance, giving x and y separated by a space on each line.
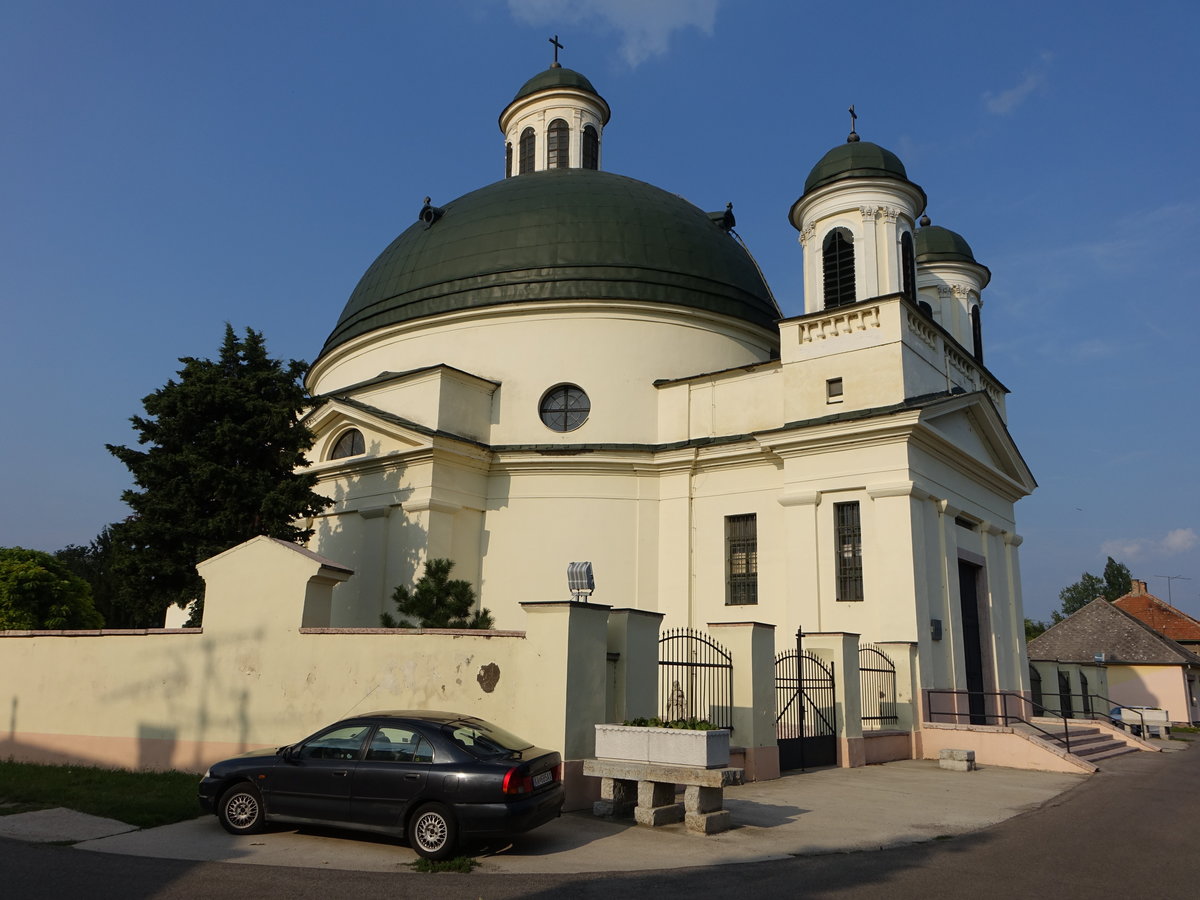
436 601
224 446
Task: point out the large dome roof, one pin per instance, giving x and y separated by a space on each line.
561 234
555 77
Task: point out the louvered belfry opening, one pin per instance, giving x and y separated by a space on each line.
908 268
838 257
528 143
591 148
558 145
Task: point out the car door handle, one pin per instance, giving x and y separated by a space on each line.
342 773
411 776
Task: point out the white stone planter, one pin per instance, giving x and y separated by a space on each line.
664 746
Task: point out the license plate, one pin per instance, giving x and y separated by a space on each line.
542 778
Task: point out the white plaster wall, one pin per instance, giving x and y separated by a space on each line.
615 352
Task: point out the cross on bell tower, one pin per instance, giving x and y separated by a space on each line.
557 46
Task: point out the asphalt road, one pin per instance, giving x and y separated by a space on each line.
1130 829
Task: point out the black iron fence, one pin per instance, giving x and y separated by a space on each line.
877 686
695 678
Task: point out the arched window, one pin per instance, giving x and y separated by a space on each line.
558 145
349 444
977 335
564 408
591 148
838 256
508 160
527 147
908 268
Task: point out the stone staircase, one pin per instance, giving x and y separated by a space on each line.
1087 742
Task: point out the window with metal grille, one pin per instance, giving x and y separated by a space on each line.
508 160
849 551
349 444
558 145
908 268
564 407
591 148
528 143
838 258
741 555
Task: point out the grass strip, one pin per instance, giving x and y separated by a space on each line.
144 799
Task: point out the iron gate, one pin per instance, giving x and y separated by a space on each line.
805 722
695 678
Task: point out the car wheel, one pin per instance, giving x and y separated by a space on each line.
432 832
241 809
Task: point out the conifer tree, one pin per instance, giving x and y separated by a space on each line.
437 601
224 446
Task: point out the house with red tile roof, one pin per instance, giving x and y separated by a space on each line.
1102 656
1160 616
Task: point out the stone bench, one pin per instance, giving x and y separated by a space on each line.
648 790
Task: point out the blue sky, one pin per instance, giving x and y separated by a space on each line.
171 166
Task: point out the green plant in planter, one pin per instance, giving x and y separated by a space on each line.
682 724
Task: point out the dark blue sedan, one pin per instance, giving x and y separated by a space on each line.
434 778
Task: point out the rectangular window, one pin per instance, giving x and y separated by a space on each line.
833 390
741 555
849 551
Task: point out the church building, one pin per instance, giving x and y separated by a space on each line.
568 364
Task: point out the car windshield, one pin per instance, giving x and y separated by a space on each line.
484 739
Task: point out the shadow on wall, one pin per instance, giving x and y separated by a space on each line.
367 530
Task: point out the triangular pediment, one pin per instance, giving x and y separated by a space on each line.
972 425
383 434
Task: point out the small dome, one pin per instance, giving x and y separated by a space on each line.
558 77
555 78
855 159
561 234
937 244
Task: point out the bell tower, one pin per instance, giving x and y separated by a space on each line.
857 219
556 121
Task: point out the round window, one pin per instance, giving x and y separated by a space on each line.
565 407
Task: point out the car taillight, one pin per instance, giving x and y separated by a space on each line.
558 772
518 781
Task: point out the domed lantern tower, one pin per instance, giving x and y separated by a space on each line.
856 220
950 284
555 121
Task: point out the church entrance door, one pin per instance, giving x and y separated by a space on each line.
968 591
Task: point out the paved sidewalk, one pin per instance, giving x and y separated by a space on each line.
828 810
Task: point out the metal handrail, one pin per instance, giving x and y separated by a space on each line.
1066 736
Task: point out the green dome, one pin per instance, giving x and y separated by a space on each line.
561 234
558 77
937 244
555 77
856 159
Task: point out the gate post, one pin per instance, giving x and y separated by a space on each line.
841 649
633 637
751 646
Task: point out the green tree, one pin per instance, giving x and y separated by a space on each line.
38 591
436 601
1033 628
100 565
224 446
1116 582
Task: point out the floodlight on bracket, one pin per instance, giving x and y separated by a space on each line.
580 581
